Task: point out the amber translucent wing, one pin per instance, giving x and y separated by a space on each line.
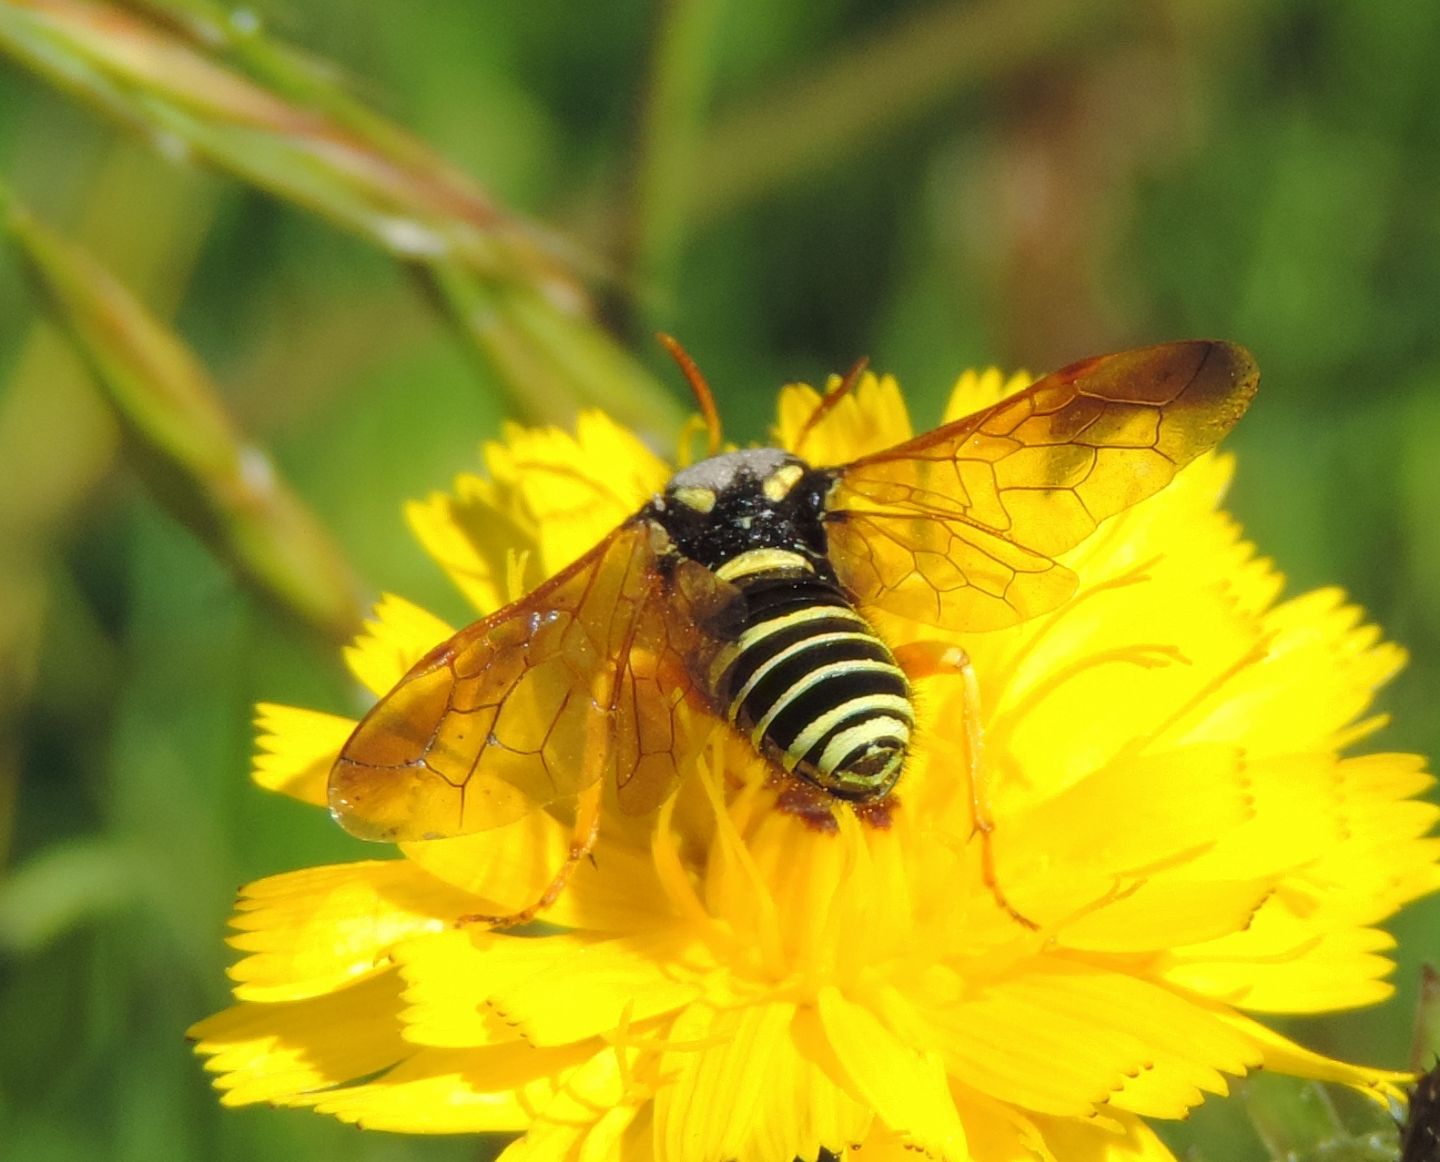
958 528
583 679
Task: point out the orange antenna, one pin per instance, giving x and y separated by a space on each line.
831 398
697 385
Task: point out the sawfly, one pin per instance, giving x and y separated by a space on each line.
746 589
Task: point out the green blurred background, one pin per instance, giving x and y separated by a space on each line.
785 188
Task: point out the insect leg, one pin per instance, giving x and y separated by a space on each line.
582 842
925 659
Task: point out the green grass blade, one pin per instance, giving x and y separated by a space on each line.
181 439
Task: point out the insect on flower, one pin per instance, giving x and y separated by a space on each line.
743 593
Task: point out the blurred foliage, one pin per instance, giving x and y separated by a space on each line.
784 187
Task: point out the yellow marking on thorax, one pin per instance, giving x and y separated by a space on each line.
761 561
779 483
700 499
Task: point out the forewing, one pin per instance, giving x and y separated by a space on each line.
530 705
661 722
959 527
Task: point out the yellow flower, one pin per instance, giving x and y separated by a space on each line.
720 982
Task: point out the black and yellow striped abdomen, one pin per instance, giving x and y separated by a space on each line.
807 681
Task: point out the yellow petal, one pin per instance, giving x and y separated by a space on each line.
509 868
496 1089
315 930
618 890
444 1008
883 1144
549 497
870 419
475 987
1291 820
585 1112
907 1088
576 987
295 749
1162 912
979 389
1321 669
996 1132
708 1113
620 1134
397 637
1386 856
1113 827
788 1106
1284 963
802 1109
573 490
1018 1039
447 527
281 1052
1123 1139
505 869
1281 1055
1110 673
